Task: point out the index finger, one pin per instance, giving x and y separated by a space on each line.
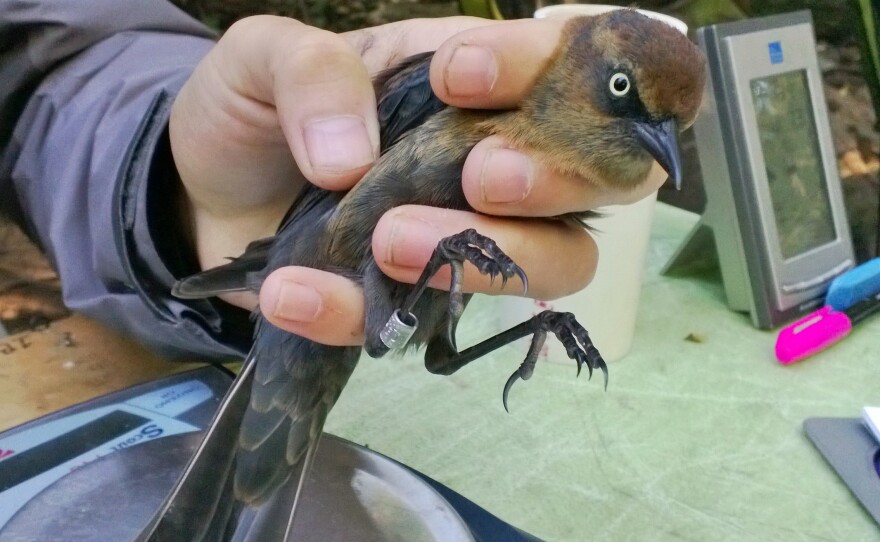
384 46
494 67
479 63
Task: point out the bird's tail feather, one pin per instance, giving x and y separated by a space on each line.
266 522
296 384
273 494
311 450
265 444
257 471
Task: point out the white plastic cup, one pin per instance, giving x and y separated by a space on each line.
607 306
571 10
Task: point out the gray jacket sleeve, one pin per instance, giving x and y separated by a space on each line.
84 103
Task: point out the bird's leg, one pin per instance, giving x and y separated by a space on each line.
455 250
440 359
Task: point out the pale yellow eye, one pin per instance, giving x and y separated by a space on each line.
619 84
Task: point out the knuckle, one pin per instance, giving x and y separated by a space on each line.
241 27
255 25
320 57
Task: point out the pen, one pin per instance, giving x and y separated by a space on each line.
854 285
821 329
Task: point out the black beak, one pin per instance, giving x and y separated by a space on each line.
661 141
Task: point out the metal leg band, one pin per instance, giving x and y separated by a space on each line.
397 332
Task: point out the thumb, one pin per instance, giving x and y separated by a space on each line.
314 304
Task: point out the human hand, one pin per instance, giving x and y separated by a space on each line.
277 104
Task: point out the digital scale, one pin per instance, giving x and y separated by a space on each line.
774 212
100 470
90 471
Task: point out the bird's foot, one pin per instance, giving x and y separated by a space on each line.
573 337
467 246
485 255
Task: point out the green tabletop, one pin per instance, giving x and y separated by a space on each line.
692 441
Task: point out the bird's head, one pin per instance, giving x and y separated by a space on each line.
617 94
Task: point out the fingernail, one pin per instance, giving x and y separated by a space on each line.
296 302
471 71
506 176
411 242
338 144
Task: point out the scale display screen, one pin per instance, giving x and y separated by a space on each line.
793 161
56 451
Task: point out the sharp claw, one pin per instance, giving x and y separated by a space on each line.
605 372
510 381
450 334
503 281
581 358
522 276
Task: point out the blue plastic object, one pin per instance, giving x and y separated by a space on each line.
854 285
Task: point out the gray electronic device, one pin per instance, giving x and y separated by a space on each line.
853 453
774 204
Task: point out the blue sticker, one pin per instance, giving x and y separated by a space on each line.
775 48
174 400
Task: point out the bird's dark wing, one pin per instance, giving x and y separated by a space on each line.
404 97
246 272
231 277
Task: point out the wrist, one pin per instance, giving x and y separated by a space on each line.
169 214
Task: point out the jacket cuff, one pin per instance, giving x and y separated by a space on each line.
148 234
